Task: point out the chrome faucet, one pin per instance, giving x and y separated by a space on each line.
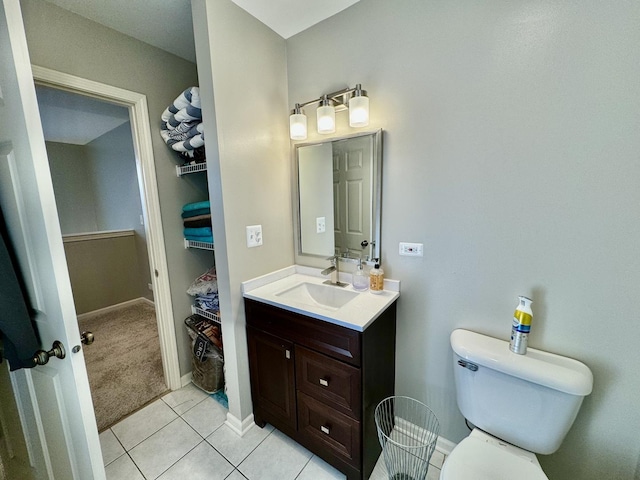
334 270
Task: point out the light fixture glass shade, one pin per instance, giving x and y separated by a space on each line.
326 116
298 126
359 110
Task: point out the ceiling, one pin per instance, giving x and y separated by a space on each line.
76 119
165 24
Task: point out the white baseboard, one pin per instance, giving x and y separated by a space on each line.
186 379
238 426
112 308
147 301
445 446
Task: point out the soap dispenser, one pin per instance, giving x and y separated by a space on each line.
376 279
359 280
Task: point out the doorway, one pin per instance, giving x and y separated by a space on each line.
130 118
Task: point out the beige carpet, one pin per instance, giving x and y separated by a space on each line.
124 362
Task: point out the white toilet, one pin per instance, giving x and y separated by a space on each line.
520 405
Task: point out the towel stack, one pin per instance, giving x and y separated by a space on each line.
182 127
197 222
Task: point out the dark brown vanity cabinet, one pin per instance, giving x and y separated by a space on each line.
320 383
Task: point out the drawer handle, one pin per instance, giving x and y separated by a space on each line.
324 383
324 429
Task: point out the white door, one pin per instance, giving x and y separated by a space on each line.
352 190
54 400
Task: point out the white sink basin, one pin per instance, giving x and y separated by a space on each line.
299 289
315 295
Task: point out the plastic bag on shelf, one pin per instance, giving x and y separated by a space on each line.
204 284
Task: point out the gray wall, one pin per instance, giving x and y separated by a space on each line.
118 195
511 151
72 184
96 189
96 184
315 175
69 43
115 181
103 272
248 163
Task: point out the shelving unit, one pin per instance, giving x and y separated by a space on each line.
205 313
185 169
200 245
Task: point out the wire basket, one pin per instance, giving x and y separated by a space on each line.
408 431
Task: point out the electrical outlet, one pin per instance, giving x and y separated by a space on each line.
254 236
321 225
411 249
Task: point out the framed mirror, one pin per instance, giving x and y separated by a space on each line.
338 184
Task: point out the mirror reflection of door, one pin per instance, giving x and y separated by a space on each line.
352 193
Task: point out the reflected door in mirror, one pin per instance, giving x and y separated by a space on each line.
352 179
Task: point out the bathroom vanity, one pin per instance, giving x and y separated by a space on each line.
319 370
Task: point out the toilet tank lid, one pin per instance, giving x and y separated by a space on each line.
543 368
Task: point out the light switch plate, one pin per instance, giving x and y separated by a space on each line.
254 236
411 249
321 224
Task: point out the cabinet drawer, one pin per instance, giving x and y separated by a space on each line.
331 381
336 341
328 429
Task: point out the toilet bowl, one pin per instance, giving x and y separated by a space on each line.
483 457
520 405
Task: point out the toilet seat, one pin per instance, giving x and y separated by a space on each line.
482 457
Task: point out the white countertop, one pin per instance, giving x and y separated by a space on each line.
358 314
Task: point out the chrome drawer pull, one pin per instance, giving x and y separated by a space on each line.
324 383
324 429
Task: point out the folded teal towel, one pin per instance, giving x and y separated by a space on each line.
196 206
198 232
197 238
195 213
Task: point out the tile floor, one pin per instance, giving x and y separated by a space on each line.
183 436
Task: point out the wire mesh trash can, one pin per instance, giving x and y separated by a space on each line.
408 431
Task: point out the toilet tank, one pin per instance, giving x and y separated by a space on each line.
527 400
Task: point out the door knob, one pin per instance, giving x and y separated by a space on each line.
87 338
42 358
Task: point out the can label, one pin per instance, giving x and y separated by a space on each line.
520 332
522 321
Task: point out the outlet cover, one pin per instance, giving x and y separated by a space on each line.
254 236
321 224
411 249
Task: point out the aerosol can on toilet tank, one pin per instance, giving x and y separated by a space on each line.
521 326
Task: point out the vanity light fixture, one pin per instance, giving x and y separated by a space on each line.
359 108
297 124
326 116
353 98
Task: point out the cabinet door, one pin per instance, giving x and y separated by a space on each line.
272 370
